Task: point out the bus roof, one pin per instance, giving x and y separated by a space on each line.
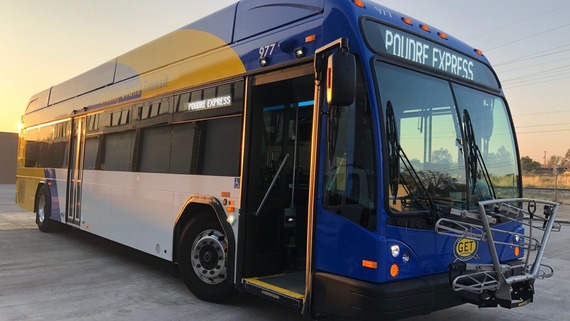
218 35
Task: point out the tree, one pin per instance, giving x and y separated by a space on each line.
441 156
557 162
529 165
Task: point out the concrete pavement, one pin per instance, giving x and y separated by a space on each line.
77 276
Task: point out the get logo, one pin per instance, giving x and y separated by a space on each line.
465 249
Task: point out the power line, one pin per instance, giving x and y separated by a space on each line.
538 74
528 37
549 76
543 112
534 56
534 16
545 131
536 83
543 125
534 65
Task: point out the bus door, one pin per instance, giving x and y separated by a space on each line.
275 184
75 173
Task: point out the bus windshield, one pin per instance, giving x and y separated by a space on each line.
447 144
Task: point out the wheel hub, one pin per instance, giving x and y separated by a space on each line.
209 256
41 208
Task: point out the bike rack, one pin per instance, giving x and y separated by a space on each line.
508 284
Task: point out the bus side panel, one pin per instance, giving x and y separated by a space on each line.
140 210
27 182
56 180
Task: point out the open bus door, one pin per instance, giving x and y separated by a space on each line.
276 183
279 186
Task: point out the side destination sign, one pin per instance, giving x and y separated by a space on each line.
216 102
394 42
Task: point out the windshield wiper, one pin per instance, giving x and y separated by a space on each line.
474 158
395 155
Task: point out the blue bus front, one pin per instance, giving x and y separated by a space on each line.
428 139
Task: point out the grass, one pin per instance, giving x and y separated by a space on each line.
561 182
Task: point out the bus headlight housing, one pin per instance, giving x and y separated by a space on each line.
395 250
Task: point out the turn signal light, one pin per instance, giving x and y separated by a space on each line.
394 270
517 251
369 264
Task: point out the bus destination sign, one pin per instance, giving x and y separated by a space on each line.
423 52
395 42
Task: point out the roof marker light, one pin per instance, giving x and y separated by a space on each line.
358 3
310 38
407 21
425 28
442 35
478 51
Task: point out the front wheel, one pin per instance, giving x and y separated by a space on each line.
204 261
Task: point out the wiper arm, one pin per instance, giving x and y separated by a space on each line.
395 154
475 158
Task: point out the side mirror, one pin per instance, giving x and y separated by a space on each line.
341 79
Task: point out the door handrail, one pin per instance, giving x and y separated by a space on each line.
272 184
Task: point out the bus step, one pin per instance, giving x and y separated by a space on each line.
262 287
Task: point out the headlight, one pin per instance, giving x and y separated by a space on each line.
395 250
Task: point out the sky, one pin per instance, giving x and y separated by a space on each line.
43 43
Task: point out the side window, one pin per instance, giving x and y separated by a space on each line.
91 153
155 149
32 147
350 173
118 151
45 137
60 145
93 142
184 156
221 148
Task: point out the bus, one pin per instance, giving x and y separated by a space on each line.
335 156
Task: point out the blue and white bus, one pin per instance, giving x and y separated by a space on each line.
332 155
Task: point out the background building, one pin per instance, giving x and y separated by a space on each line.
8 154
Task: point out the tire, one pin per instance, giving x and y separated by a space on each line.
43 210
203 259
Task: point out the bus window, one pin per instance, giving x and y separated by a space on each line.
222 147
350 187
118 151
184 158
428 136
32 147
155 149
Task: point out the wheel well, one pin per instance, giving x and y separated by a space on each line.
193 211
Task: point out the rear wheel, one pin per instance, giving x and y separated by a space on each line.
204 261
43 210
